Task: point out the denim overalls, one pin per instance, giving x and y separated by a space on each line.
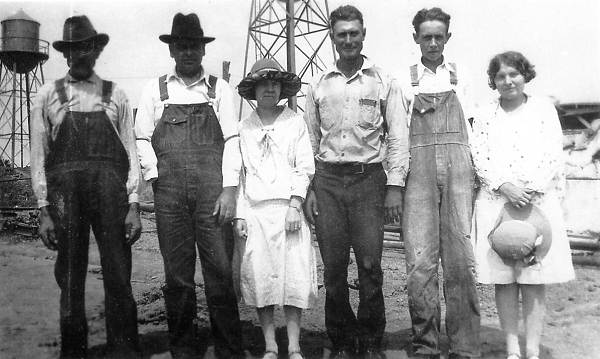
86 170
189 144
437 223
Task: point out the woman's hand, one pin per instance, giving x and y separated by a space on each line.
240 228
293 219
517 196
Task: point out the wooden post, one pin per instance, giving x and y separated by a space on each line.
226 75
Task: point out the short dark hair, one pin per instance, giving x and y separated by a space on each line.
435 13
513 59
345 13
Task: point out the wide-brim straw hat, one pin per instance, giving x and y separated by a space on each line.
269 69
79 29
186 27
520 233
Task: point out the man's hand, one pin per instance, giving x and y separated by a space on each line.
393 204
240 228
46 229
225 205
517 196
133 225
310 207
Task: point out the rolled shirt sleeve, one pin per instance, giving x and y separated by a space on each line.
312 120
225 109
40 134
396 117
144 128
127 136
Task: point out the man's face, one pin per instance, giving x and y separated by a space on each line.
188 56
431 38
348 37
81 59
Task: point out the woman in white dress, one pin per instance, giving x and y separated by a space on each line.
517 151
278 262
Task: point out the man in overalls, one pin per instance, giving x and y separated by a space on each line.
438 199
85 173
187 138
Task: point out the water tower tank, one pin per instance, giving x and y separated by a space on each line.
21 48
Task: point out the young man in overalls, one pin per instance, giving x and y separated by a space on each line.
186 132
438 199
85 173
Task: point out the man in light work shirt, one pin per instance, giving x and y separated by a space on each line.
438 199
354 112
187 142
85 173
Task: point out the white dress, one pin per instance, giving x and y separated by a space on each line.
277 267
523 147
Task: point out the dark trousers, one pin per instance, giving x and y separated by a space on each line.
94 197
184 204
437 224
351 216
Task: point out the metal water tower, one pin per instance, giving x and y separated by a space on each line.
293 32
22 54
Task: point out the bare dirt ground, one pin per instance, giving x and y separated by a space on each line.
29 308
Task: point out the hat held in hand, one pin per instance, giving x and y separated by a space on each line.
521 234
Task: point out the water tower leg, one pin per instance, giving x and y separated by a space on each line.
14 116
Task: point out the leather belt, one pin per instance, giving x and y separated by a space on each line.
351 168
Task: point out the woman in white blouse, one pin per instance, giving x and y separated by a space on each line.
517 151
278 263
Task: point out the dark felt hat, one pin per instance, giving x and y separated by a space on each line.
79 29
186 27
269 69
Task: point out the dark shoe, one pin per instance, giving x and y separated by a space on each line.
341 354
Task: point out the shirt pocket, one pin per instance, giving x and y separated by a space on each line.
369 105
369 112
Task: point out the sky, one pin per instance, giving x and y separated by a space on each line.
561 38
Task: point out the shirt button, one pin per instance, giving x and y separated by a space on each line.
173 120
342 154
343 136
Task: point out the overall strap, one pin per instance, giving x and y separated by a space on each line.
162 87
453 76
60 91
414 75
212 86
107 87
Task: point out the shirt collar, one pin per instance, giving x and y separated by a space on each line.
92 79
173 75
367 65
450 66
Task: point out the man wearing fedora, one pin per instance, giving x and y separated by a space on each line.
85 174
187 142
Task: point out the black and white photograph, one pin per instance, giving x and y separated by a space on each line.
300 179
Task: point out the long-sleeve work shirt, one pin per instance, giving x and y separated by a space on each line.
83 96
150 111
361 119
